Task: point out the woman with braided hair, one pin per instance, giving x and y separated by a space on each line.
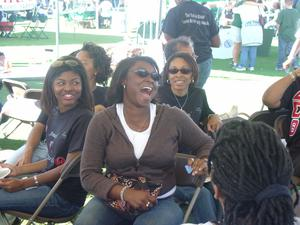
251 170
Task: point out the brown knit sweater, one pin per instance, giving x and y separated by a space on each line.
106 144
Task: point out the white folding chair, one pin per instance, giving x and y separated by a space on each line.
22 105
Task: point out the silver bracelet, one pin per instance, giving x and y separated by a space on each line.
36 182
122 193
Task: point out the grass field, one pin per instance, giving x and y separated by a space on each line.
65 38
264 65
10 144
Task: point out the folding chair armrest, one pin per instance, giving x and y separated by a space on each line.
33 93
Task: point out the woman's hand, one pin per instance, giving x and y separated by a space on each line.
25 159
286 64
199 166
213 123
139 199
12 184
13 169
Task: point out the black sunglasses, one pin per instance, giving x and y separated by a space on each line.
144 73
182 70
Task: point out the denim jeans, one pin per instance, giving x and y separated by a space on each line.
96 212
248 56
204 72
40 153
204 209
284 48
29 200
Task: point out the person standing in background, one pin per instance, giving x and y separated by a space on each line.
294 51
196 21
249 13
287 25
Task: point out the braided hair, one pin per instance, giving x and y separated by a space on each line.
247 158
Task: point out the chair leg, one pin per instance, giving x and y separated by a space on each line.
191 205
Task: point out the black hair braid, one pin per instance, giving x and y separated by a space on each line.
248 157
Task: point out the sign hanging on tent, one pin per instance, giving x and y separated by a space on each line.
17 5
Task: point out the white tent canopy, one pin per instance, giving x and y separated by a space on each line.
17 5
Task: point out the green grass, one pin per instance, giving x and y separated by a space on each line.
264 65
65 38
10 144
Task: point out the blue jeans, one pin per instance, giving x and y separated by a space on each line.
284 48
96 212
40 153
204 209
29 200
248 56
204 72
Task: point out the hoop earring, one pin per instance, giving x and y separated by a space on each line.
168 81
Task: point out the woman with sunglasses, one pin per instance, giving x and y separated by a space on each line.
178 89
136 139
179 76
67 102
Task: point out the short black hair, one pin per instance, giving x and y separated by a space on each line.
115 91
247 158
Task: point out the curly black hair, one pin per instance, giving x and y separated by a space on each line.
102 62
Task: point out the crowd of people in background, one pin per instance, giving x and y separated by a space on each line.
132 120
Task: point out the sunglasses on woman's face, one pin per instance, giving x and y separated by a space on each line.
182 70
144 73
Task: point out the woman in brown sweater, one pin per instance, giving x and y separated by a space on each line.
136 139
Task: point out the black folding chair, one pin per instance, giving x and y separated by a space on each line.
71 169
268 116
185 179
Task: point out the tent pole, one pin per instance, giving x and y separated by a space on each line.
158 23
57 28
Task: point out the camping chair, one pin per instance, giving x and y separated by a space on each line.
71 169
26 29
185 179
6 29
38 30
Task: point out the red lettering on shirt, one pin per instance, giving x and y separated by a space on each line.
293 127
295 114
